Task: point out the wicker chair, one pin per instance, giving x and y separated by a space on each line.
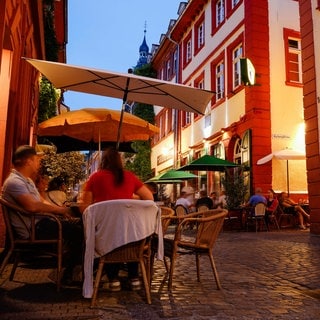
180 211
202 207
119 231
209 226
138 251
30 244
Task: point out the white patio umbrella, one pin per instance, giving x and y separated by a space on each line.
128 87
285 154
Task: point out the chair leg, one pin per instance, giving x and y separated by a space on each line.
97 282
15 265
215 272
6 260
145 281
172 263
198 266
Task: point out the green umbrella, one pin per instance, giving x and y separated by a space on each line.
164 181
171 175
209 163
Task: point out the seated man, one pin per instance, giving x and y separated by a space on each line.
19 189
184 201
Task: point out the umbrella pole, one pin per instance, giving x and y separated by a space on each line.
124 101
288 177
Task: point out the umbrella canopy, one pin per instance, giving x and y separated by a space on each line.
208 163
173 175
128 87
284 154
97 124
66 144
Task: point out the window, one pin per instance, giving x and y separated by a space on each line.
236 72
234 3
168 70
187 52
220 13
199 83
219 80
293 57
185 118
199 34
175 61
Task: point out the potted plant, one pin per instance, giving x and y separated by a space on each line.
235 186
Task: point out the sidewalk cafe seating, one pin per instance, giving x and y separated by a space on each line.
209 224
273 218
286 219
202 207
29 244
180 211
119 231
258 217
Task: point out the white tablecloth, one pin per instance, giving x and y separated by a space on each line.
112 224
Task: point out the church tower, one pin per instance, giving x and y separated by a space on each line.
144 55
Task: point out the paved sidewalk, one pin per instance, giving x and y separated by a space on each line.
265 275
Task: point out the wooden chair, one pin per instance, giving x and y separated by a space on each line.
30 244
209 226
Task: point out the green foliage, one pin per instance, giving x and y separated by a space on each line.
47 100
144 111
69 165
140 163
235 186
146 71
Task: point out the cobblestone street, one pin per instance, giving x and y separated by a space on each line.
264 275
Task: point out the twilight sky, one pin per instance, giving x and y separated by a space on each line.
107 35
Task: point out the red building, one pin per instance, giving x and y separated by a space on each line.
22 34
207 47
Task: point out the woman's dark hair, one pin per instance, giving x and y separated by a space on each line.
111 160
56 183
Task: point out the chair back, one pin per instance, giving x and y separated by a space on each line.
260 209
180 211
166 214
209 227
202 207
22 237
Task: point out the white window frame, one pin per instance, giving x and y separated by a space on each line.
189 51
201 35
295 50
236 69
234 3
220 12
220 80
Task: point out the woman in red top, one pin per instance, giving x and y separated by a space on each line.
112 182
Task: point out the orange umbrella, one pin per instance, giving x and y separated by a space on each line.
97 125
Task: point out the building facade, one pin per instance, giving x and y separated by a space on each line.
310 35
22 34
206 47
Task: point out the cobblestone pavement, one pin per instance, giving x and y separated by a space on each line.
265 275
